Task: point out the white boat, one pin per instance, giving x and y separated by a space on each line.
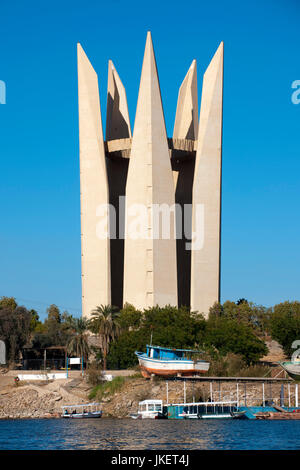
168 362
154 409
149 409
87 410
292 368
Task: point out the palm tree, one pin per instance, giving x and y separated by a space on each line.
104 323
78 343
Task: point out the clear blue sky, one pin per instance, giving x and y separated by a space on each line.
39 191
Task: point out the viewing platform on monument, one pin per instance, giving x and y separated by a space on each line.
178 148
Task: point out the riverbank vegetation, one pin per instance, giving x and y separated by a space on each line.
233 336
107 389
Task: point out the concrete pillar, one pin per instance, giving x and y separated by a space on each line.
117 127
117 116
186 119
185 127
205 264
95 247
150 276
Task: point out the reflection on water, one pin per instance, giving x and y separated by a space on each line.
117 434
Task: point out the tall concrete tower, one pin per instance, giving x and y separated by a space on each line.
95 251
150 205
150 276
205 269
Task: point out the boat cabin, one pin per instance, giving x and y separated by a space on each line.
203 410
150 406
158 352
82 410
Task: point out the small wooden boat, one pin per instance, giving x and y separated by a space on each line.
293 415
167 362
88 410
149 409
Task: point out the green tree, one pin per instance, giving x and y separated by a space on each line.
169 326
53 313
285 325
54 331
216 310
172 326
129 317
255 316
8 303
121 353
78 342
67 319
35 322
229 335
104 323
14 330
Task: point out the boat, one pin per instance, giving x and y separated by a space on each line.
283 415
292 368
205 410
155 409
150 409
87 410
168 362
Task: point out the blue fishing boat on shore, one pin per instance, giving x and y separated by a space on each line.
168 362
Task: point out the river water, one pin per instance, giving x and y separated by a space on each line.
128 434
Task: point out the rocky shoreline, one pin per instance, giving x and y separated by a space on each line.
44 400
38 400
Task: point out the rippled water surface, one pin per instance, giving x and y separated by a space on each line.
124 434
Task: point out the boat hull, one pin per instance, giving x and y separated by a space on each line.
217 416
83 415
205 410
292 368
171 368
148 416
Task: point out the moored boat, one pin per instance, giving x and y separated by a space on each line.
155 409
88 410
168 362
151 409
292 368
205 410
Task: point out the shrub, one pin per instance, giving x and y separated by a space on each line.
233 365
94 374
106 388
